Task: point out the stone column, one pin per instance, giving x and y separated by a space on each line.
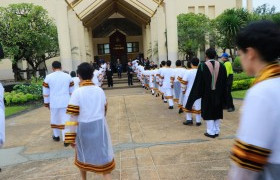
250 5
74 36
148 40
91 44
154 38
88 55
161 34
63 35
82 42
172 32
144 40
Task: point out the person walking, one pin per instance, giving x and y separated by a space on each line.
210 86
229 101
130 74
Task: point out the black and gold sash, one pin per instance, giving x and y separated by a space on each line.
270 71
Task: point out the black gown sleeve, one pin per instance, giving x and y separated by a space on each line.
197 89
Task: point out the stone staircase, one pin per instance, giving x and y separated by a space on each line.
121 83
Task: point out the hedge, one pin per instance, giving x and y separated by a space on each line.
242 84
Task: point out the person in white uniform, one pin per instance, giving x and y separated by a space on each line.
87 130
168 76
160 79
188 79
57 88
179 71
256 151
75 79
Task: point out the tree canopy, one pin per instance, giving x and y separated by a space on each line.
28 33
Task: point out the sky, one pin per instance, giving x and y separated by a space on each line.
257 3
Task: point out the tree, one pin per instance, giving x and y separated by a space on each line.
265 9
228 24
27 33
192 32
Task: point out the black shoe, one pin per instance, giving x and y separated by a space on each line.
170 107
56 138
188 123
198 124
210 136
231 110
180 111
66 144
162 97
216 135
156 95
165 101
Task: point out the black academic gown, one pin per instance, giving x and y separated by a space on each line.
212 101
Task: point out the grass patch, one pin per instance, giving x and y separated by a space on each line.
11 110
239 94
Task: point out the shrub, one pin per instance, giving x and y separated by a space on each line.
241 76
242 84
237 65
35 87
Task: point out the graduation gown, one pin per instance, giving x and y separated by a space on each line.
212 101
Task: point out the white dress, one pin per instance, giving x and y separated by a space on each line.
88 128
2 116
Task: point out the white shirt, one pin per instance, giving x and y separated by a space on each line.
167 74
179 72
58 86
95 79
2 116
91 101
189 78
260 118
76 81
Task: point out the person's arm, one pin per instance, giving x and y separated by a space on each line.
73 109
197 89
255 137
71 86
46 93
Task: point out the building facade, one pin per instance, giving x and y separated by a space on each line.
119 29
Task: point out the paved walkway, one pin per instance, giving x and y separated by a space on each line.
149 141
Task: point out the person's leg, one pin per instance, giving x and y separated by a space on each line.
170 98
217 127
107 176
63 118
131 79
210 127
198 119
83 174
54 122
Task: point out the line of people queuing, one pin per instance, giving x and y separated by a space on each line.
202 86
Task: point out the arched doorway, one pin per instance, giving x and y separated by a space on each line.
118 48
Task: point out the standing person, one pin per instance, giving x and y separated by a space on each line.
210 85
229 101
88 131
179 71
2 117
256 151
109 74
119 68
57 88
188 81
168 76
130 74
75 79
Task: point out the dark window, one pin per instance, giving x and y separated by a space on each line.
132 47
103 49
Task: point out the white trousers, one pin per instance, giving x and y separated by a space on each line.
197 117
168 93
58 119
213 126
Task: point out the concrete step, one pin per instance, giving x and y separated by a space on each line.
122 86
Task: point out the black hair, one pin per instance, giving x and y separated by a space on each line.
73 74
195 61
155 66
85 71
163 63
211 53
189 64
160 65
168 63
178 63
56 65
263 36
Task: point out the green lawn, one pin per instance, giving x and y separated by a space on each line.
10 110
239 94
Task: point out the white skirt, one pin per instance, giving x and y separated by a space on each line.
94 150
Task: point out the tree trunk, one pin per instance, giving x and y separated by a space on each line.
231 54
